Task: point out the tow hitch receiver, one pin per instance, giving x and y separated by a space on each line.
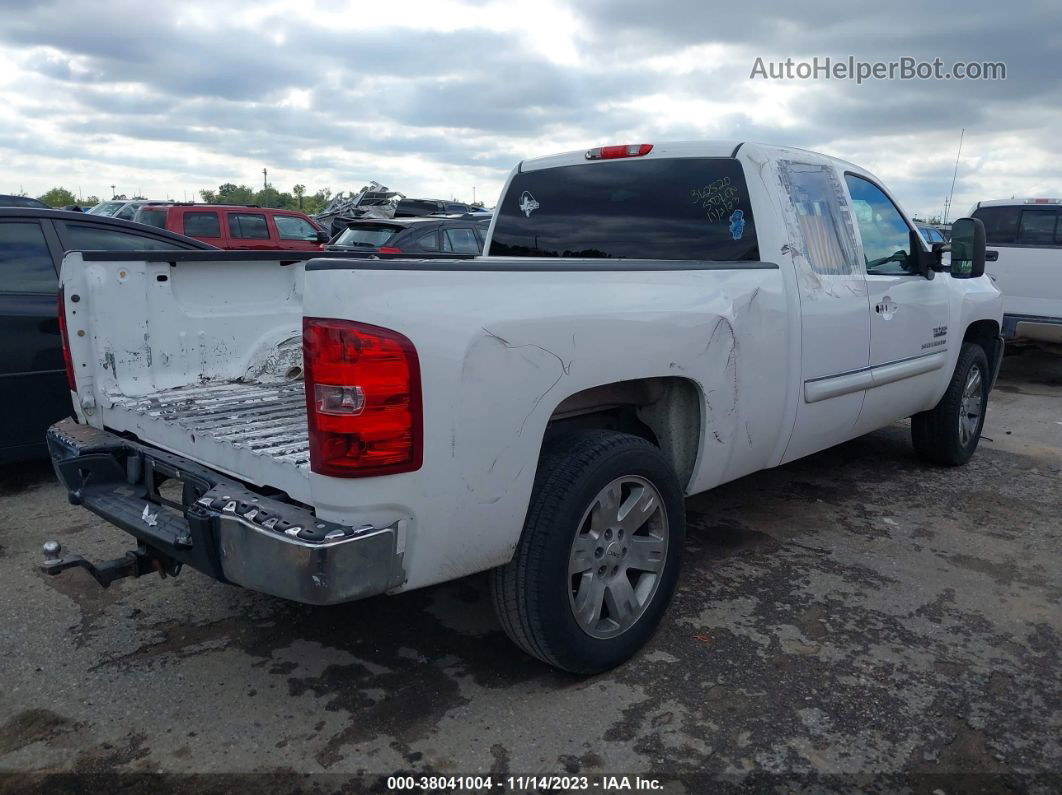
135 563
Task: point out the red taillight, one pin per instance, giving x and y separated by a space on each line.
389 250
65 337
363 403
624 150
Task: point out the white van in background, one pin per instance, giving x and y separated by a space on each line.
1027 233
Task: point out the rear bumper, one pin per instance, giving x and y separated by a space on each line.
221 528
1033 328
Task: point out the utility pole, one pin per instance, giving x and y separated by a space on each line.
113 194
473 194
265 178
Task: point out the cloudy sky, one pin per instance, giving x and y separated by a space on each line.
433 98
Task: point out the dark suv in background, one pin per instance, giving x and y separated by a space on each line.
414 208
33 387
429 234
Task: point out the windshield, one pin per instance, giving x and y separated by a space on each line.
106 208
366 236
673 208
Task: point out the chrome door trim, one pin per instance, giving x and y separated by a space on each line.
830 386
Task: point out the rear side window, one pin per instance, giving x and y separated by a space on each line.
1037 227
82 237
365 236
25 262
460 241
289 227
249 226
676 208
1001 224
202 225
426 242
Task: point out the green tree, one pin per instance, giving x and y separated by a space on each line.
299 191
90 201
58 197
228 193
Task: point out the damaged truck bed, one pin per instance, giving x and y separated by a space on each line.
256 432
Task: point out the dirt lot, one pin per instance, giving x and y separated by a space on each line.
851 614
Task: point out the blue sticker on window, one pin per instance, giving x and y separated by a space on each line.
737 224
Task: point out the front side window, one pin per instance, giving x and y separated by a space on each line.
202 225
1001 224
1037 227
25 262
290 227
82 237
665 208
248 226
886 235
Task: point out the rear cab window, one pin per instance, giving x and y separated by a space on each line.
1021 225
666 208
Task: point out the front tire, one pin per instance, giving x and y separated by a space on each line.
599 555
948 434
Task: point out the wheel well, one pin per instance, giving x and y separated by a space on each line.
664 411
986 334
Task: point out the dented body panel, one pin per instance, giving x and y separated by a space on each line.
734 366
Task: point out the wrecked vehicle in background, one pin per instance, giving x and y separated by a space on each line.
649 322
375 201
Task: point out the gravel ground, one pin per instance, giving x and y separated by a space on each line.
855 617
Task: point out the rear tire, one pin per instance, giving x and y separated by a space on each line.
948 434
599 556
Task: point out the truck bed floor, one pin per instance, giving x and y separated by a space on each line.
256 430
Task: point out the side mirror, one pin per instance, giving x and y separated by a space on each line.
967 248
323 236
925 262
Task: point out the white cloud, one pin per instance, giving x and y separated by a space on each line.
434 97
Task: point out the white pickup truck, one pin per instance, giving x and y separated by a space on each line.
1026 238
650 321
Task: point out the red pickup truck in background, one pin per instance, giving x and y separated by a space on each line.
238 227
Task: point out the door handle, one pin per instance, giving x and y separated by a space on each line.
886 308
